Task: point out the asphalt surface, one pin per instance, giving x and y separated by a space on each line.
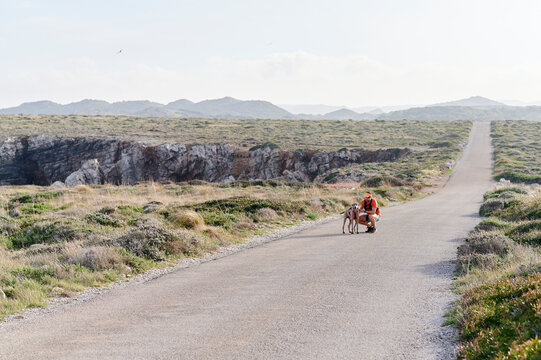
317 294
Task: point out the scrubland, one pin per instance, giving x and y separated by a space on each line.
54 242
517 150
499 264
499 278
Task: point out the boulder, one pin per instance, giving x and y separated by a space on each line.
89 173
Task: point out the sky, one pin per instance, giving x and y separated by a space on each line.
352 53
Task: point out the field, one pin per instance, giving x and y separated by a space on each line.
499 278
432 144
517 151
287 134
55 242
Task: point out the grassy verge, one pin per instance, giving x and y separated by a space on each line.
517 151
499 279
55 242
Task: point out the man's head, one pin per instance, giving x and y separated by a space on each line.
367 195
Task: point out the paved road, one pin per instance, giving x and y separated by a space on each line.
315 295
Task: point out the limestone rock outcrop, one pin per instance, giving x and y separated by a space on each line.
43 160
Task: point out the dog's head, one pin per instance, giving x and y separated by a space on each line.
355 206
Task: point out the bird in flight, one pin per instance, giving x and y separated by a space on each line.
119 51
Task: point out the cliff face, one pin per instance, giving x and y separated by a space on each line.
42 160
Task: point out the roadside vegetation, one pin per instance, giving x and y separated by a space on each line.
517 151
499 278
55 242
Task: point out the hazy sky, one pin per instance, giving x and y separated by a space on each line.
286 51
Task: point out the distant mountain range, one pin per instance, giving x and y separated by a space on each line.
224 108
474 108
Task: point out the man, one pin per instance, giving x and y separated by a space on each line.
370 206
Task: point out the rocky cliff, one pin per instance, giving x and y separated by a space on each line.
43 160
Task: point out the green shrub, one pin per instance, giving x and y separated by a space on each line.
219 218
36 208
382 180
491 224
485 243
500 315
331 176
519 177
37 197
491 206
8 226
103 219
528 350
154 243
467 263
130 210
46 233
502 190
527 233
95 258
269 145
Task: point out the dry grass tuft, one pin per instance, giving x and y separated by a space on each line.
265 215
187 219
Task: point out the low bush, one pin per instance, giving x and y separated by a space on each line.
37 197
469 262
496 193
103 219
95 258
130 210
499 316
378 181
188 219
154 243
265 215
499 311
485 243
46 233
491 224
528 350
491 206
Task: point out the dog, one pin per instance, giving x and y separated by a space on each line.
351 215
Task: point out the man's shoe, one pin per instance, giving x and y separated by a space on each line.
369 229
373 230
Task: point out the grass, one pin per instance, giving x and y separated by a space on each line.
326 135
92 235
499 279
517 151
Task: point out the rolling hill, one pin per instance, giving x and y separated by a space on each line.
473 108
226 107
